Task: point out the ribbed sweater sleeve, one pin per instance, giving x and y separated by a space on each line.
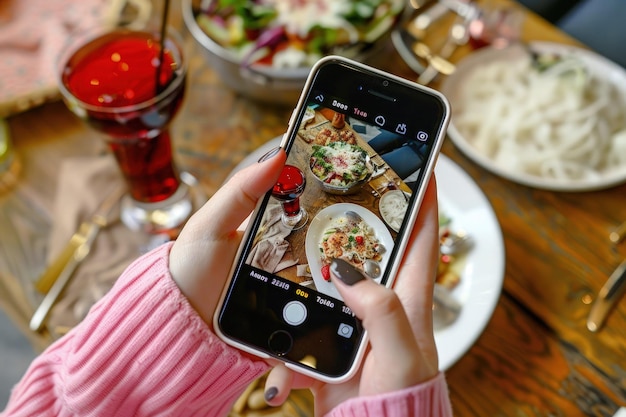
141 351
429 399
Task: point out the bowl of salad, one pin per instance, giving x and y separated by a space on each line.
341 168
264 49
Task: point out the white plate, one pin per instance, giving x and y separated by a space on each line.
483 272
604 68
321 222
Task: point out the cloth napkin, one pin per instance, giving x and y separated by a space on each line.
33 32
271 252
83 183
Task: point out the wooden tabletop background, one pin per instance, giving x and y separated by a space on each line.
535 357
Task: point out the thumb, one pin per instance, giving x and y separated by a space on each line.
201 257
234 201
395 354
378 307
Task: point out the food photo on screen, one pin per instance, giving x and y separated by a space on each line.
343 194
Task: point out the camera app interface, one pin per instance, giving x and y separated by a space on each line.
343 194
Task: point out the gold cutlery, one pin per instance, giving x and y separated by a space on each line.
609 295
457 36
50 275
436 62
60 272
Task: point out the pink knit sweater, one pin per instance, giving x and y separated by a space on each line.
143 351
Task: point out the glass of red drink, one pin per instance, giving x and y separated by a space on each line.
287 190
496 26
123 85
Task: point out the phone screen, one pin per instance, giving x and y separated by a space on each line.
356 157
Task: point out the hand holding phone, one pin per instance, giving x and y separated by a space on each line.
399 325
201 257
361 147
205 243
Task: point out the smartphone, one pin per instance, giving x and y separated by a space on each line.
361 146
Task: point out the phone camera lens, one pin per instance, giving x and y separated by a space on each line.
385 83
360 88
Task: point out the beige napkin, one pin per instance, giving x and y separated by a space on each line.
83 183
271 253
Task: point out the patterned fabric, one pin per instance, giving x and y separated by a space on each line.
32 34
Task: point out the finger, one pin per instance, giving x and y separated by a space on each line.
278 385
391 335
286 380
233 202
414 284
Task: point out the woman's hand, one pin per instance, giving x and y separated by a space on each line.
399 321
402 350
202 256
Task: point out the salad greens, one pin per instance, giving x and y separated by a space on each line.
295 33
339 164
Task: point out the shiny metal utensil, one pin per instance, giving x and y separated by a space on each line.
610 293
63 268
439 64
372 268
415 30
353 216
50 275
455 243
458 36
446 308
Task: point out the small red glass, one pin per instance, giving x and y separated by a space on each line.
287 190
496 26
123 85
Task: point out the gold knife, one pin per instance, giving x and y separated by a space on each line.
609 295
50 275
56 278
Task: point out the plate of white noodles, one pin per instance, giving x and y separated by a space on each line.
545 115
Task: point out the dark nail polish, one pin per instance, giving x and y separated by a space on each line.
270 393
272 152
346 272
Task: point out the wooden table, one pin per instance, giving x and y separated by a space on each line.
535 357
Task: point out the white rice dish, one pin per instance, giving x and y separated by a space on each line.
561 122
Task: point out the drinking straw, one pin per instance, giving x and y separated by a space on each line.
166 8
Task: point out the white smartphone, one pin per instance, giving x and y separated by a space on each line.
361 146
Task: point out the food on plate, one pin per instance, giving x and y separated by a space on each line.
550 117
450 266
328 135
340 164
350 239
296 33
392 207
